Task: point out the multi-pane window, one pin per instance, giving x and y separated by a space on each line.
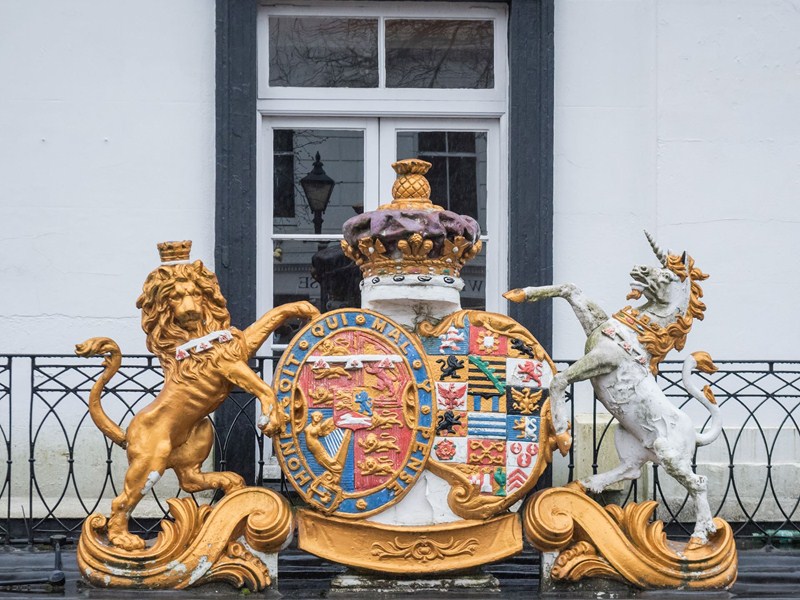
310 51
364 87
365 84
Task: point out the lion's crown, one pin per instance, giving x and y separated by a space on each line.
171 252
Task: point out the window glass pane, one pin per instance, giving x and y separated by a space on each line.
458 174
432 141
461 141
283 139
463 185
283 183
435 53
342 155
323 52
315 271
474 275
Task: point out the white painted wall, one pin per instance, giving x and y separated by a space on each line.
106 148
681 116
677 116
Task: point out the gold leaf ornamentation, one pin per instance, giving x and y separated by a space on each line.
373 249
472 251
350 253
201 546
415 247
378 466
624 544
657 340
454 250
581 561
424 549
407 550
411 188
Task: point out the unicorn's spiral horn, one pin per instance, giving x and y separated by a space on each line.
662 256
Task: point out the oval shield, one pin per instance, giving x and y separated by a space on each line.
358 404
493 437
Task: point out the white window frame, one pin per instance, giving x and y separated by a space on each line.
342 108
383 101
417 109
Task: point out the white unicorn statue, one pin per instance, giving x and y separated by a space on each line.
621 358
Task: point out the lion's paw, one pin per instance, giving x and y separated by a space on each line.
126 541
269 427
229 481
306 309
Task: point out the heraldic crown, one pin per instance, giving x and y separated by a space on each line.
411 235
170 252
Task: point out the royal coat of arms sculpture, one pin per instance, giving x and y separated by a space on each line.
413 430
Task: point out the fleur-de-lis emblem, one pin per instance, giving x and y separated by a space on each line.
416 247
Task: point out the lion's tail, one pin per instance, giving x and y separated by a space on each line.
702 362
113 357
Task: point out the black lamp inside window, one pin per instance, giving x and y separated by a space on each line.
318 188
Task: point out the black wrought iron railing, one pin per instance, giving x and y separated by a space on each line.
72 470
5 436
753 467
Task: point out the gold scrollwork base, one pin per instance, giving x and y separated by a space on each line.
409 550
622 544
204 544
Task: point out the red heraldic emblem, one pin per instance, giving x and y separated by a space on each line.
359 405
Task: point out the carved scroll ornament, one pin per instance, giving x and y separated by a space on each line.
623 544
226 543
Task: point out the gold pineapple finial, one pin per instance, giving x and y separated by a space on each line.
171 252
411 188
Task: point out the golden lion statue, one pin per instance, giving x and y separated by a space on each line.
188 328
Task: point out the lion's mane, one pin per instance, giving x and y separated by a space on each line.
164 335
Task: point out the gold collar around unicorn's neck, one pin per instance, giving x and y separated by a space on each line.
639 322
657 340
